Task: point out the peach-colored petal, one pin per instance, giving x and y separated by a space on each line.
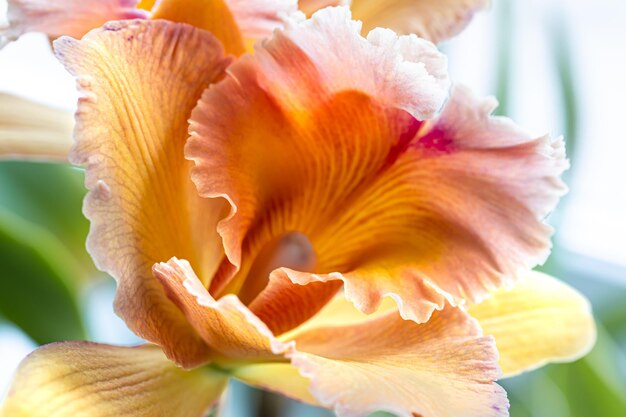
312 59
540 320
358 365
226 325
81 379
30 130
427 212
459 214
311 6
140 80
65 17
435 20
236 23
277 114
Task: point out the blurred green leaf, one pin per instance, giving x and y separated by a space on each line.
34 290
51 196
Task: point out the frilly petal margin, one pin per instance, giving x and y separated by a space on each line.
140 79
538 321
33 131
302 86
65 17
473 192
82 379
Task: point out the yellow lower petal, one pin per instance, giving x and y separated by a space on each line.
81 379
29 130
540 320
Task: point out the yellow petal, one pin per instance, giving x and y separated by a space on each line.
235 23
540 320
29 130
65 17
81 379
140 80
435 20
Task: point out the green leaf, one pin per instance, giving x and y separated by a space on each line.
50 196
35 293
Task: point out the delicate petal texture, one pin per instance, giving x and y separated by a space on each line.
540 320
435 20
436 369
257 19
211 15
235 23
459 214
81 379
65 17
227 326
313 59
426 212
279 113
140 80
30 130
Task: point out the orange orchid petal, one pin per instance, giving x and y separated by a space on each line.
30 130
231 128
540 320
426 212
81 379
234 22
436 20
226 325
65 17
459 214
140 80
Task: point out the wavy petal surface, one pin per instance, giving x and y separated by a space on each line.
436 20
287 111
540 320
427 212
359 364
30 130
65 17
81 379
140 80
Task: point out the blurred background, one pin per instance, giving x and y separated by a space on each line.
556 66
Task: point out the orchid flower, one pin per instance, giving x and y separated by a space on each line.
341 238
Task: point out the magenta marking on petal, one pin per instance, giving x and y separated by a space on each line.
436 139
411 127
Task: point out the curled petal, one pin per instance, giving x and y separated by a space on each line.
29 130
312 59
130 135
358 365
540 320
226 325
81 379
65 17
435 20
